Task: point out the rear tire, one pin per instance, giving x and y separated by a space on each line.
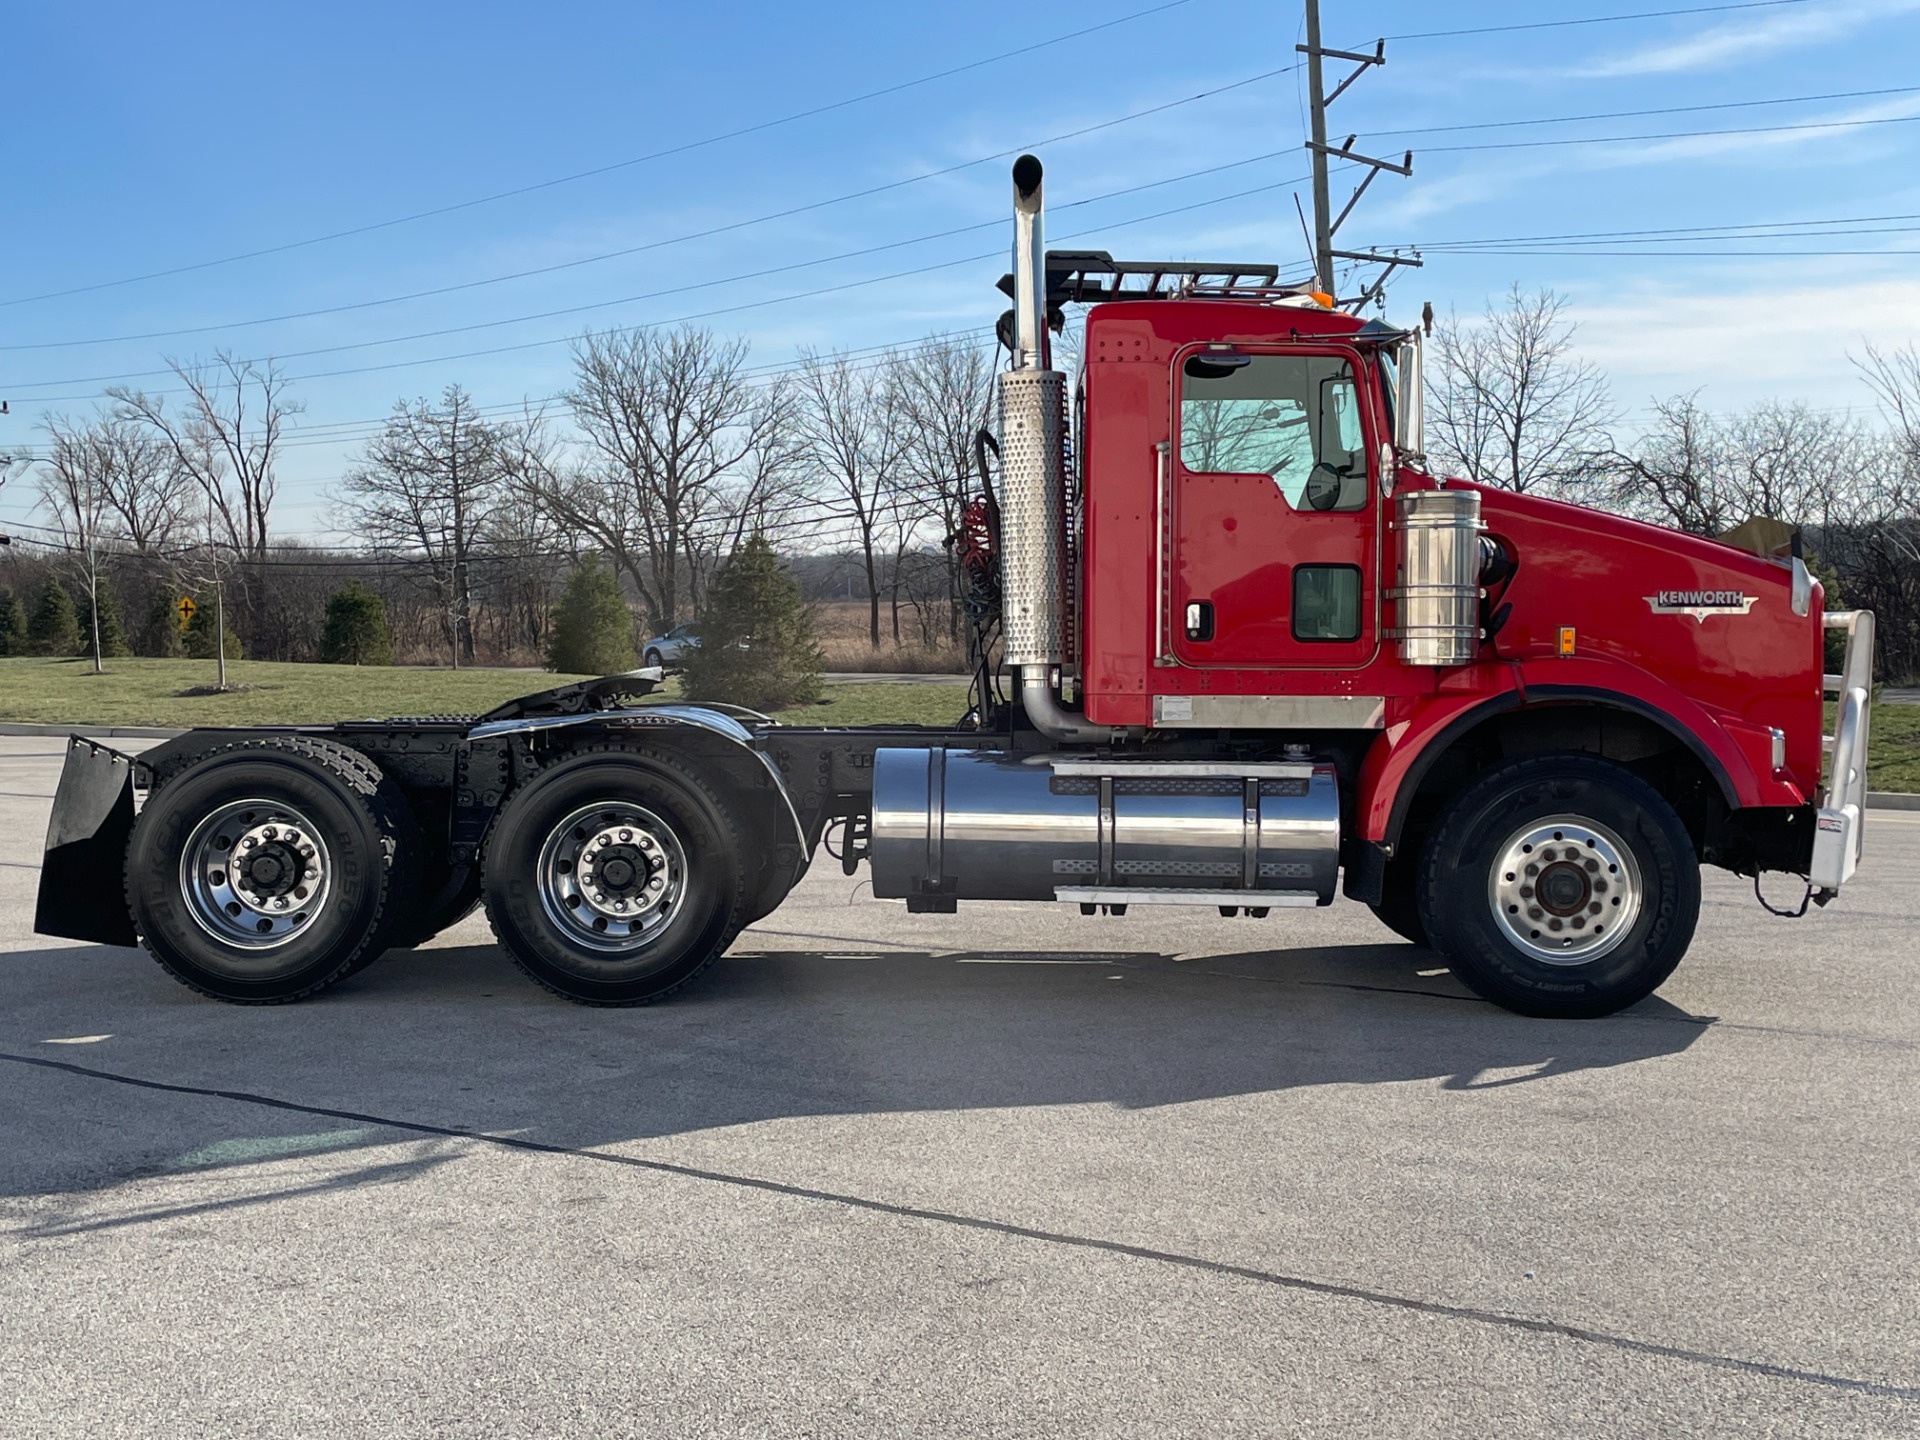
1560 886
616 877
270 868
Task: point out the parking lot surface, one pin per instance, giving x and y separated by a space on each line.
1013 1172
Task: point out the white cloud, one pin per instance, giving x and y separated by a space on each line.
1735 42
1785 338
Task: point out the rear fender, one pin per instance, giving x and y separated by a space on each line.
787 852
82 885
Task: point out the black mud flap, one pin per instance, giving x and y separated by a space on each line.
81 886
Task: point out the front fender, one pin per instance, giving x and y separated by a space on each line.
1405 752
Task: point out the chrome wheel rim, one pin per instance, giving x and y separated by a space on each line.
1565 891
611 877
256 874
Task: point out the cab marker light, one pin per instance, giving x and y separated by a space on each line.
1566 645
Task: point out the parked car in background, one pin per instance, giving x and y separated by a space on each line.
670 648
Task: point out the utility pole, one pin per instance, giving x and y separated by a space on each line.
1322 200
1325 222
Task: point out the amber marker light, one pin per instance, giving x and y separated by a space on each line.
1565 647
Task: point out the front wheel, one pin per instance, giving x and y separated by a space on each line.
1560 886
653 660
615 878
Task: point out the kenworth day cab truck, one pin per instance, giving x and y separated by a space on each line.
1257 652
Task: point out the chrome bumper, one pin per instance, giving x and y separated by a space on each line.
1840 827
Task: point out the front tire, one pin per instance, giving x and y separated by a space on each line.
652 659
270 868
1560 886
615 878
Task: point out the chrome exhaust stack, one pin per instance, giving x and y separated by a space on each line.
1033 483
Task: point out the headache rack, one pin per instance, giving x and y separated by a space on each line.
1087 277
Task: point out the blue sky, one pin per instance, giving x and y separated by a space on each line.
143 139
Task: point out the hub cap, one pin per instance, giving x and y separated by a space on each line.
256 874
611 877
1565 890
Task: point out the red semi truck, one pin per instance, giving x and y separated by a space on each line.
1257 652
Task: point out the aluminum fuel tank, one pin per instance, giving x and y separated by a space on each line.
981 825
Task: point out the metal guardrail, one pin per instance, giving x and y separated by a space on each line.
1840 833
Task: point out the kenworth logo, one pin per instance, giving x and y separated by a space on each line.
1700 603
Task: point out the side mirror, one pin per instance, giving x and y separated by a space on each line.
1322 490
1409 403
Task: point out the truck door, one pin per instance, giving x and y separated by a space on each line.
1273 515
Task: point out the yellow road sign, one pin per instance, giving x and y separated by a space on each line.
186 607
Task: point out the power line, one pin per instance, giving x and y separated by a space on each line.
706 234
1682 230
1663 110
680 149
1694 254
1598 19
674 320
550 314
1676 134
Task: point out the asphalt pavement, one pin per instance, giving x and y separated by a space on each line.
1012 1172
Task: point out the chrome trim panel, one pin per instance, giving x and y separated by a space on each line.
1270 712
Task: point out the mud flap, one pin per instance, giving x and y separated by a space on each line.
82 890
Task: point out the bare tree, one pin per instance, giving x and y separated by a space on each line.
1894 378
853 437
1671 474
148 494
227 438
73 494
1705 473
943 391
428 484
671 425
1511 405
767 489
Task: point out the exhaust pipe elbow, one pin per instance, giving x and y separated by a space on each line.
1054 720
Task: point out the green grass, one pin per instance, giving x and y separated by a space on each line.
1893 747
149 692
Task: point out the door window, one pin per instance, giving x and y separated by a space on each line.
1293 418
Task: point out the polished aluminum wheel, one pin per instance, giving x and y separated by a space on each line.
255 874
1565 890
611 877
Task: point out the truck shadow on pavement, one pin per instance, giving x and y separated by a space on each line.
456 1037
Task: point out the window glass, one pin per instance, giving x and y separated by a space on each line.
1295 418
1326 602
